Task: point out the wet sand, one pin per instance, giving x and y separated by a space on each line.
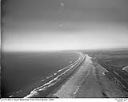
89 81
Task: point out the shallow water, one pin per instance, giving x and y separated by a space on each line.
19 70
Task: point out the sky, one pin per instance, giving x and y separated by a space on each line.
48 25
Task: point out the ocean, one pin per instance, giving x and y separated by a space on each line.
21 70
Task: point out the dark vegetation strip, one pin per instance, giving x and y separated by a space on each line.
118 74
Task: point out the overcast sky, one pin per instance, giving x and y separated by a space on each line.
42 25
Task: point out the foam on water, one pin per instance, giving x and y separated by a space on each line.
54 78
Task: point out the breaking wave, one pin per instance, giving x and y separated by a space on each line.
55 79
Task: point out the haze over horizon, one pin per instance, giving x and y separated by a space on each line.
49 25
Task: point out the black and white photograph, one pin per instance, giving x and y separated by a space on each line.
64 49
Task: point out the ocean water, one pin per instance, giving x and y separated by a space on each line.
20 70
